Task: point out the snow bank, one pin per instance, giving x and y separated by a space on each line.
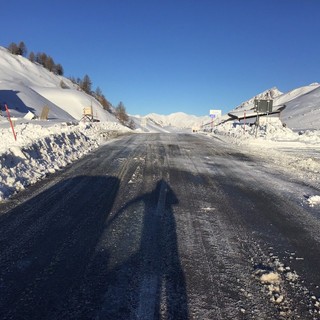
41 150
268 130
271 129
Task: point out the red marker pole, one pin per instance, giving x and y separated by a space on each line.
8 113
244 119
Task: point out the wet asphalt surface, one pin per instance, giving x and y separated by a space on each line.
161 226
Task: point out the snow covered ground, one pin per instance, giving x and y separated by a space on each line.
294 153
42 147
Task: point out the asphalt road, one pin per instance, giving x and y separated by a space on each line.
161 226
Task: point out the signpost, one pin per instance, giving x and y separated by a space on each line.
11 124
214 114
262 106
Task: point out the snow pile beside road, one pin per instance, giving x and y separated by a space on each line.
294 152
271 130
41 150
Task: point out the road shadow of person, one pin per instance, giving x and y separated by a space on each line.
151 283
102 260
46 244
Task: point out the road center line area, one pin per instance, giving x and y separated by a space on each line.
161 226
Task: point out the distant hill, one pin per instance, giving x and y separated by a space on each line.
167 123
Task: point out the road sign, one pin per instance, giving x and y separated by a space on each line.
215 113
264 106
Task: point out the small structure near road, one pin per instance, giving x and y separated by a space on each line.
88 115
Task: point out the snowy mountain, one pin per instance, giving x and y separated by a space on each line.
302 109
174 122
268 94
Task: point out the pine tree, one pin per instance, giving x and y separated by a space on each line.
49 64
41 58
32 56
22 49
58 69
86 84
121 113
98 92
13 48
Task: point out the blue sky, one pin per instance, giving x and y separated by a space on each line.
166 56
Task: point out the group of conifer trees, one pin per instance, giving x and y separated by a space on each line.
39 57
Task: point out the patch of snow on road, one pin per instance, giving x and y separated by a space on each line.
313 201
270 278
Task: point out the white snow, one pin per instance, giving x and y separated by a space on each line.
314 200
40 150
42 147
270 278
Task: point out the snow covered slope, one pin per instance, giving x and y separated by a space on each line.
21 99
27 86
302 108
272 93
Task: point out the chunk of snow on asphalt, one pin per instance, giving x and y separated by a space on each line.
208 209
291 276
313 201
271 277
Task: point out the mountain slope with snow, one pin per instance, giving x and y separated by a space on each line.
27 86
272 93
303 111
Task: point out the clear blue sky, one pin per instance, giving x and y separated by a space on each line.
167 56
